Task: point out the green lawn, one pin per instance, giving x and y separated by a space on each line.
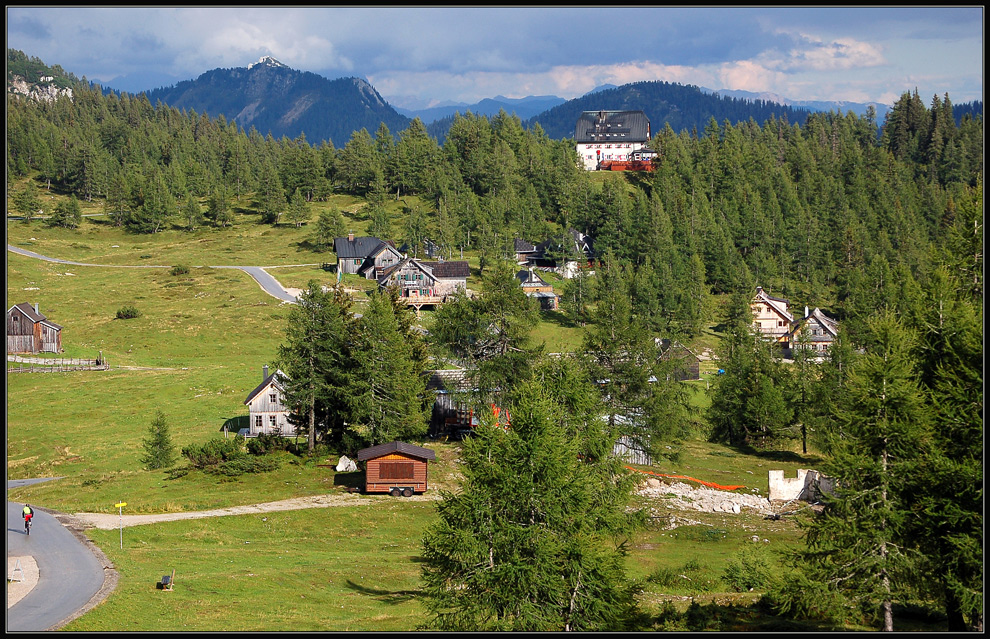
194 353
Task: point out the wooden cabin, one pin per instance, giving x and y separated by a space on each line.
28 331
267 411
396 468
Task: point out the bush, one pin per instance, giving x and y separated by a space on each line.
751 570
266 443
179 269
794 596
213 452
127 312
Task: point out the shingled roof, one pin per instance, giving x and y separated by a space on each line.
612 126
357 248
395 447
30 313
264 384
448 270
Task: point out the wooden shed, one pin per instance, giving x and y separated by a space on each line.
28 331
396 468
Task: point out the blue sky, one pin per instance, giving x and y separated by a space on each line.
416 57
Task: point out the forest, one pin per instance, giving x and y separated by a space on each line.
879 224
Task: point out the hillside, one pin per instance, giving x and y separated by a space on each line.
276 99
683 107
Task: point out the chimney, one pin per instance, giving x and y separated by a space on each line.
806 311
350 236
265 373
36 311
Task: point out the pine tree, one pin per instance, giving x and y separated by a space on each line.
858 544
298 209
329 225
67 214
531 542
390 389
317 359
159 450
191 212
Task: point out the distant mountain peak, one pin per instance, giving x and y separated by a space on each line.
268 61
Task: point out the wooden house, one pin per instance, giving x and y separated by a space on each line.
396 468
267 411
771 319
535 286
814 332
29 331
611 136
367 256
422 283
687 365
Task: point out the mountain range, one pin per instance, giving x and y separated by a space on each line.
274 98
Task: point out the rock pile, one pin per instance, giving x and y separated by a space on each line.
683 496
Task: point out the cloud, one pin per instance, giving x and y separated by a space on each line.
819 55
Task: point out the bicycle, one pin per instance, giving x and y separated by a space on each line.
27 526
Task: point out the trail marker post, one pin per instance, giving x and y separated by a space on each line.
120 513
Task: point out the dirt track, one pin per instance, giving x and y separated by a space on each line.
112 521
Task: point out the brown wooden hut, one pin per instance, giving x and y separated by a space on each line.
396 468
28 331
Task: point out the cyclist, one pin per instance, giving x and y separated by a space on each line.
27 514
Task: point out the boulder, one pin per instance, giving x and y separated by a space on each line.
346 465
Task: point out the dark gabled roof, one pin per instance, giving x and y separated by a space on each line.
359 247
395 447
264 384
28 311
612 126
522 246
449 270
387 272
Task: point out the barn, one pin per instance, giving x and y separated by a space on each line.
396 468
28 331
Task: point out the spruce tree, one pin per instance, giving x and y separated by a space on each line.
533 539
858 544
159 450
388 398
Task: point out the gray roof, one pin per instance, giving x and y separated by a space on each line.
448 270
395 447
28 310
612 126
271 379
358 248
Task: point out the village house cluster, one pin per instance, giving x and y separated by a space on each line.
772 319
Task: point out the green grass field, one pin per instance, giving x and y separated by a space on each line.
194 353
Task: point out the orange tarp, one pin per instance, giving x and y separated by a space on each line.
706 483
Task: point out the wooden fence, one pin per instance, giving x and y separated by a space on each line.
54 364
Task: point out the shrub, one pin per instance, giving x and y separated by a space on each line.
750 570
794 596
128 312
213 452
179 269
266 443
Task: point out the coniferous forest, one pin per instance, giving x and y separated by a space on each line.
879 223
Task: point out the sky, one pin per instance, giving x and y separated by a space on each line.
423 56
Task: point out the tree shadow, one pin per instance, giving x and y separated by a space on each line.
777 455
388 596
559 319
350 480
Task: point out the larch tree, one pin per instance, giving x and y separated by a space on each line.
535 538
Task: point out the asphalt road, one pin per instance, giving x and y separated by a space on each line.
69 574
268 283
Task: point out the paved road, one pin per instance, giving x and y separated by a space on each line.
268 283
69 574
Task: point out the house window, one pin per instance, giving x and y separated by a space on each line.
396 470
257 421
273 398
271 421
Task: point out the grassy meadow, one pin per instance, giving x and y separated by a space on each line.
195 352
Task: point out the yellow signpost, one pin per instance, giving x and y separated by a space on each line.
120 513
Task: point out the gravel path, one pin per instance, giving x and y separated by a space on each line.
113 521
